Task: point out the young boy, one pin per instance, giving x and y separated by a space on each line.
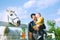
40 20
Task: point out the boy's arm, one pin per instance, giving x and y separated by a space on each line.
40 21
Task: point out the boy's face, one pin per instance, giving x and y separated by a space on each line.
38 15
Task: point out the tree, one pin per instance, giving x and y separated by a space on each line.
51 25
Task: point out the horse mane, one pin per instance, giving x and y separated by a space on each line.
6 31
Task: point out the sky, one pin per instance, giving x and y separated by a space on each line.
49 9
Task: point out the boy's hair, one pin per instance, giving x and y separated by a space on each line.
32 14
39 14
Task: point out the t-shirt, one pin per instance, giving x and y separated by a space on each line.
31 24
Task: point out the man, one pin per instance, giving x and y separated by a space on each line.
33 32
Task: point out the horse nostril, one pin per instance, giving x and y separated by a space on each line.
11 14
18 22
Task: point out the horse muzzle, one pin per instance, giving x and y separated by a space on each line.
18 23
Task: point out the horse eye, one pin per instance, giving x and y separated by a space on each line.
11 14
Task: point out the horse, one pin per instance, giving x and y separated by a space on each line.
9 33
12 17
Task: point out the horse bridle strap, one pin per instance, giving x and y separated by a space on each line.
15 18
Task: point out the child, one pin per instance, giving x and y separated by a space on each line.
40 20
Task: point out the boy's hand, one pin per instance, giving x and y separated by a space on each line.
36 28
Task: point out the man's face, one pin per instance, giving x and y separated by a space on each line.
34 17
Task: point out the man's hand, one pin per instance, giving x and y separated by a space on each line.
36 28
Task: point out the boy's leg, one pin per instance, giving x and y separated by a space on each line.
41 38
40 34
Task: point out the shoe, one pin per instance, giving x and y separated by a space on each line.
39 37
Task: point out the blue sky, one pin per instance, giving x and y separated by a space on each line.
49 9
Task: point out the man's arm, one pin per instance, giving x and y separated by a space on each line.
44 27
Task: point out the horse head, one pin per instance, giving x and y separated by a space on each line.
12 17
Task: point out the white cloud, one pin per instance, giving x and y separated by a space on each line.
13 8
39 3
57 20
3 17
21 12
58 12
29 4
0 16
46 3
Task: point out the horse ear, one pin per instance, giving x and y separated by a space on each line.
7 10
6 31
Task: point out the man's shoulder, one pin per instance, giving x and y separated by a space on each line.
31 21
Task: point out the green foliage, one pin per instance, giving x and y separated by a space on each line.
23 30
52 26
51 23
57 31
51 29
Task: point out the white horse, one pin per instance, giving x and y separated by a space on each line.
9 33
12 17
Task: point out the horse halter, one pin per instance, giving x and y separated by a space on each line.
13 17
